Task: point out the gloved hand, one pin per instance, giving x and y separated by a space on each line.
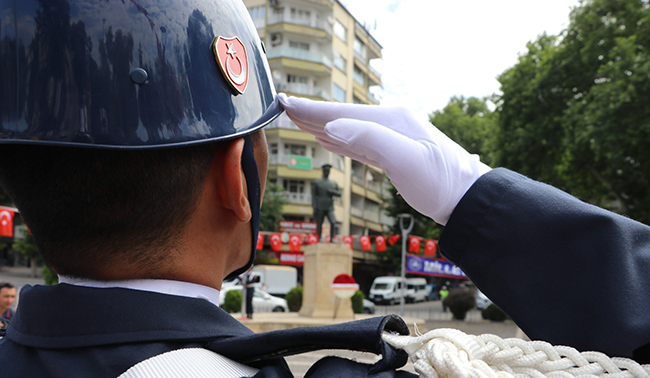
428 169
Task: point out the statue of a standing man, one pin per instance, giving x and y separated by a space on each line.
322 192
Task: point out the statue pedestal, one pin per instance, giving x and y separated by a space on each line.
323 262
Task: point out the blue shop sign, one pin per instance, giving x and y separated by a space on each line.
433 267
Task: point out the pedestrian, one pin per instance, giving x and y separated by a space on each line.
565 271
7 300
444 293
250 294
132 144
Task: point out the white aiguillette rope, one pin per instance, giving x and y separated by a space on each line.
447 353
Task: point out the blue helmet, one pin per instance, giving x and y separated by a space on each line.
134 74
131 73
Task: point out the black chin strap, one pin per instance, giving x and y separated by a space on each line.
249 165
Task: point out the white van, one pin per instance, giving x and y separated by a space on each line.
276 279
416 289
387 290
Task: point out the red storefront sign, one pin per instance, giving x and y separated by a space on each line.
292 258
296 227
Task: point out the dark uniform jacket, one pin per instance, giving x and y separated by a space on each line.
567 272
74 331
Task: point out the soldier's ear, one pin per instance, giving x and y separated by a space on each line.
231 186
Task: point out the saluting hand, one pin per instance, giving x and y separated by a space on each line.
428 169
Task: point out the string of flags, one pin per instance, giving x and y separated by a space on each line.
416 244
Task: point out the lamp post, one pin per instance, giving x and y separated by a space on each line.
405 232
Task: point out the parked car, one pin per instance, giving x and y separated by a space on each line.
262 301
416 289
482 301
368 307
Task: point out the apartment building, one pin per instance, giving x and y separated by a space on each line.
317 49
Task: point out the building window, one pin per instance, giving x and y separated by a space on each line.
295 149
278 10
339 93
339 61
294 186
258 12
301 15
359 76
297 79
357 100
340 31
299 45
359 48
273 148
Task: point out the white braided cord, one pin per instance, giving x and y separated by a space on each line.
450 353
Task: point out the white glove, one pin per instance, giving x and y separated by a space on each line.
428 169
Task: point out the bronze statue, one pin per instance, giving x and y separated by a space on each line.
322 192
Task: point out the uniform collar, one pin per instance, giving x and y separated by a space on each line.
183 289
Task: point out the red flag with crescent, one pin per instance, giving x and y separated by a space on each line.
380 243
312 239
414 244
393 239
348 240
430 247
276 242
365 243
295 241
233 61
6 222
260 240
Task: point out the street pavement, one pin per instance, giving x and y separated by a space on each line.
430 311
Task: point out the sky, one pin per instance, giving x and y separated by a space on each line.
436 49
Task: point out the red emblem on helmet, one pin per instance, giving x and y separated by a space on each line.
233 61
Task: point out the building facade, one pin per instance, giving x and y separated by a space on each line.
317 49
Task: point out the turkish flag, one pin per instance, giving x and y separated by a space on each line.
393 239
276 242
430 247
365 243
312 239
414 244
295 241
260 240
348 240
6 222
380 243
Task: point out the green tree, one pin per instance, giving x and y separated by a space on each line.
574 108
28 248
470 123
272 206
423 226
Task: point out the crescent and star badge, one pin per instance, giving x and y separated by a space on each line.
233 61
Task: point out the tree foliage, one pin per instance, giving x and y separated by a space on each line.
470 123
272 206
574 108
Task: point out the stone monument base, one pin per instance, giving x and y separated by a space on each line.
323 262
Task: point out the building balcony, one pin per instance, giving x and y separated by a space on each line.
282 159
297 54
356 212
297 198
374 77
386 220
311 23
372 216
371 185
303 90
282 122
371 97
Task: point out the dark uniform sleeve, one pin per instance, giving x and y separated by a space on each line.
566 272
